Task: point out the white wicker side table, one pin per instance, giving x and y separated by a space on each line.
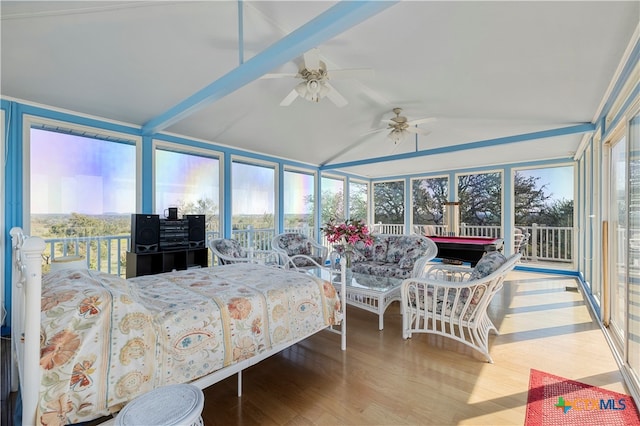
172 405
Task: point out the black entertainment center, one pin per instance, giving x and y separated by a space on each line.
163 245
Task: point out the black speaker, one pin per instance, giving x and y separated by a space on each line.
196 230
145 233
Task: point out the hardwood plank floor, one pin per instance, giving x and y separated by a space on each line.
383 379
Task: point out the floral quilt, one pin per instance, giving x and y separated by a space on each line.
106 340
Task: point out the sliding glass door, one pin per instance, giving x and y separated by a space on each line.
633 339
617 253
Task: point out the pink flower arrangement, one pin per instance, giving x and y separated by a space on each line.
348 233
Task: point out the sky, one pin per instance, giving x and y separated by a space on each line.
559 181
91 176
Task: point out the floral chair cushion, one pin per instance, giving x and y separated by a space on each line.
230 248
356 255
447 306
379 249
414 248
295 244
307 261
487 265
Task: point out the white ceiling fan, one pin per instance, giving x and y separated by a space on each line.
315 80
399 126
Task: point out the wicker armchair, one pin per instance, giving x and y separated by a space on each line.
452 301
229 251
299 248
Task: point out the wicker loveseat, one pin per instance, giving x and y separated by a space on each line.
400 256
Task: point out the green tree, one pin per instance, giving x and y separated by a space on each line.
331 206
388 202
559 213
358 201
429 196
205 206
480 197
530 199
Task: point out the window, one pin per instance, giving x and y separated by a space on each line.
298 200
332 199
388 205
81 192
188 181
358 200
543 208
429 198
253 203
80 186
480 204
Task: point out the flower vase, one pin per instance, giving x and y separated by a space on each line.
347 270
348 274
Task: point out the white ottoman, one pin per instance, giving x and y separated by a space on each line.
172 405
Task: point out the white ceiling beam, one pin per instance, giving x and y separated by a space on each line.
325 26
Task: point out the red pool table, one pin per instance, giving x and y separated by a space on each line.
465 249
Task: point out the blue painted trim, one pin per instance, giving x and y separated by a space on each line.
78 120
451 174
14 196
633 59
579 128
146 185
228 198
564 272
622 114
330 23
595 306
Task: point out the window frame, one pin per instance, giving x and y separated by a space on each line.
31 121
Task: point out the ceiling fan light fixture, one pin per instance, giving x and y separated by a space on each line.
396 136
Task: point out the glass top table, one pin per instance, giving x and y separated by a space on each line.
369 292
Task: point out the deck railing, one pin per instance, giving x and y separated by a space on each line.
546 243
108 253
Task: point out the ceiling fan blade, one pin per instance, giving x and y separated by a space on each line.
370 132
421 121
312 59
335 97
290 98
279 75
355 73
417 130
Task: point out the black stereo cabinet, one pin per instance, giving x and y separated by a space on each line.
163 245
165 261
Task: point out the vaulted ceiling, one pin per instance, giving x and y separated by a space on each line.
506 82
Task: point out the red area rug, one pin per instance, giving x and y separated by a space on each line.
555 401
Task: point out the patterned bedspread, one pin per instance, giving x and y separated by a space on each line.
105 340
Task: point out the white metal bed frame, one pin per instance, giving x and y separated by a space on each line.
26 277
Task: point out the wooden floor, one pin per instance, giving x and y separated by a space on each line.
383 379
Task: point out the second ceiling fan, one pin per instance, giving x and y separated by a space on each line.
315 80
399 126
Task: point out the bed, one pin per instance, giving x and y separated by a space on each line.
101 340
